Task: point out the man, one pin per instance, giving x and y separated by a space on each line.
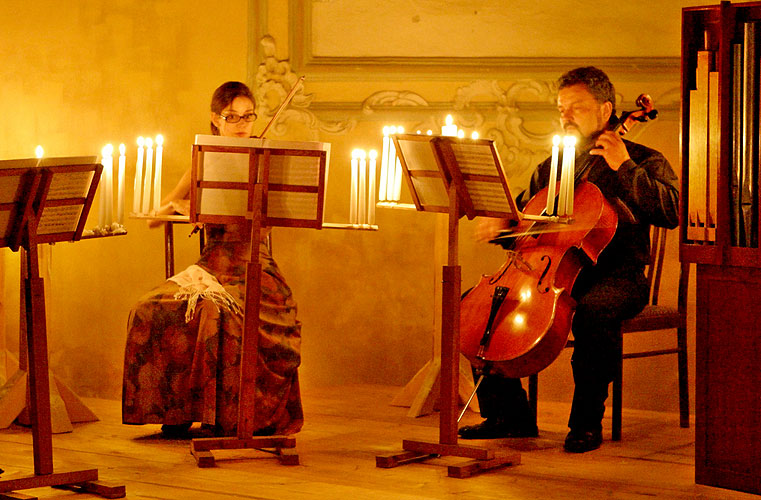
642 187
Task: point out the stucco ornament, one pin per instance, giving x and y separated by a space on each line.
274 80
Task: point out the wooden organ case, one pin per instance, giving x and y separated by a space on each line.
721 104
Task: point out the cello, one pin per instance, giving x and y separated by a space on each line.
516 321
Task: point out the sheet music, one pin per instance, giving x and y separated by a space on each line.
431 191
223 202
70 185
488 196
475 159
9 188
20 163
5 217
285 169
419 155
291 205
295 170
231 167
61 219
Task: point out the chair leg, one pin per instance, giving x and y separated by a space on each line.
533 390
617 388
684 392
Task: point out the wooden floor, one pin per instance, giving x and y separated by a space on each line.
346 428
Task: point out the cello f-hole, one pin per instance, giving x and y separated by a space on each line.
500 293
540 286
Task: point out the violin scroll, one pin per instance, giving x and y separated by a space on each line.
645 112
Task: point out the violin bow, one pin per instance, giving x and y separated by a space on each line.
283 105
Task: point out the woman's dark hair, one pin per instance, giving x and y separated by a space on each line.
595 80
225 95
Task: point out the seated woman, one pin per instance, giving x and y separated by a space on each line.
182 358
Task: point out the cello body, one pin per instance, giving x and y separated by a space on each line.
518 320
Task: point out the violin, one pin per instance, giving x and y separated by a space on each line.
516 321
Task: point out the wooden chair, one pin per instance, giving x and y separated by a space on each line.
654 317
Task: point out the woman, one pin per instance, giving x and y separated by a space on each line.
182 359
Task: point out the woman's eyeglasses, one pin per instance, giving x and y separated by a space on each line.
233 118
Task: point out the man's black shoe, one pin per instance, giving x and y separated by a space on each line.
582 441
493 428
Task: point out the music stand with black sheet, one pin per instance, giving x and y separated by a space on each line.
270 183
458 177
46 201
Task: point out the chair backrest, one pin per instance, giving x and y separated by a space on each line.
654 270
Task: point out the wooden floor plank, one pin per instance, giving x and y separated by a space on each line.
346 429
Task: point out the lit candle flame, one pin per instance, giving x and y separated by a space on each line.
39 152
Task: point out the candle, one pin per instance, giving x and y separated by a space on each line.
105 216
138 176
460 133
362 206
562 190
384 166
450 129
354 181
570 148
390 170
371 189
474 135
148 175
157 173
553 179
38 153
120 181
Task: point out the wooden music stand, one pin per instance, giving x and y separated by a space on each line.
474 184
270 183
46 202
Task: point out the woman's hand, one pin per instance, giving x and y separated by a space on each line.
182 207
173 207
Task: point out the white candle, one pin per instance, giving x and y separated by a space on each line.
102 190
354 181
362 207
106 193
450 129
570 148
120 185
563 190
390 167
398 182
39 153
553 179
371 189
138 176
148 175
384 166
157 173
